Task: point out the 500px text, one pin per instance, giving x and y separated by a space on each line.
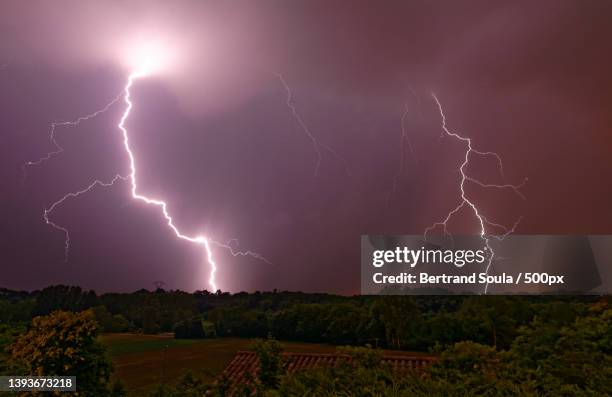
473 278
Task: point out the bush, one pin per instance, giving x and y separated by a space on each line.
65 344
270 362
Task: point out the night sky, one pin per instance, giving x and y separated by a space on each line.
214 137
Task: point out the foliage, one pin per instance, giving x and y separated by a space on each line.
109 322
270 361
152 312
64 344
363 375
19 311
469 368
543 345
400 322
493 320
188 386
189 329
8 334
62 297
543 360
575 359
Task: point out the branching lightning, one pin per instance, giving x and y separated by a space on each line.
501 231
67 196
58 148
488 230
404 141
202 240
317 146
234 242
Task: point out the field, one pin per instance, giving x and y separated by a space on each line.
144 361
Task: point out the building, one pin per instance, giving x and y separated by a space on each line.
243 367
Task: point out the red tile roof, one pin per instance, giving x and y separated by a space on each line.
243 367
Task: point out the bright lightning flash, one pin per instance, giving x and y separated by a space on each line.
149 57
146 62
202 240
467 202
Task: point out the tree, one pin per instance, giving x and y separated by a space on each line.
8 334
364 374
103 317
189 329
62 297
575 359
493 320
109 323
64 344
400 317
270 361
150 320
15 312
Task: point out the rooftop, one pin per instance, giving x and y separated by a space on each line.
243 367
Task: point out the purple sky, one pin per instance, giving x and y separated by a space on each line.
215 139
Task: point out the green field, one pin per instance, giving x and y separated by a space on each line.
144 361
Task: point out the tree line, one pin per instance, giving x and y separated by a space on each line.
395 322
486 345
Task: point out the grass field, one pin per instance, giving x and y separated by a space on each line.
144 361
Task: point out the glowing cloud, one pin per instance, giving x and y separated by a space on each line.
148 57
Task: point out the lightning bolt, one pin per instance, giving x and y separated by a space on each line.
467 202
67 196
234 252
201 240
317 146
404 141
58 148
